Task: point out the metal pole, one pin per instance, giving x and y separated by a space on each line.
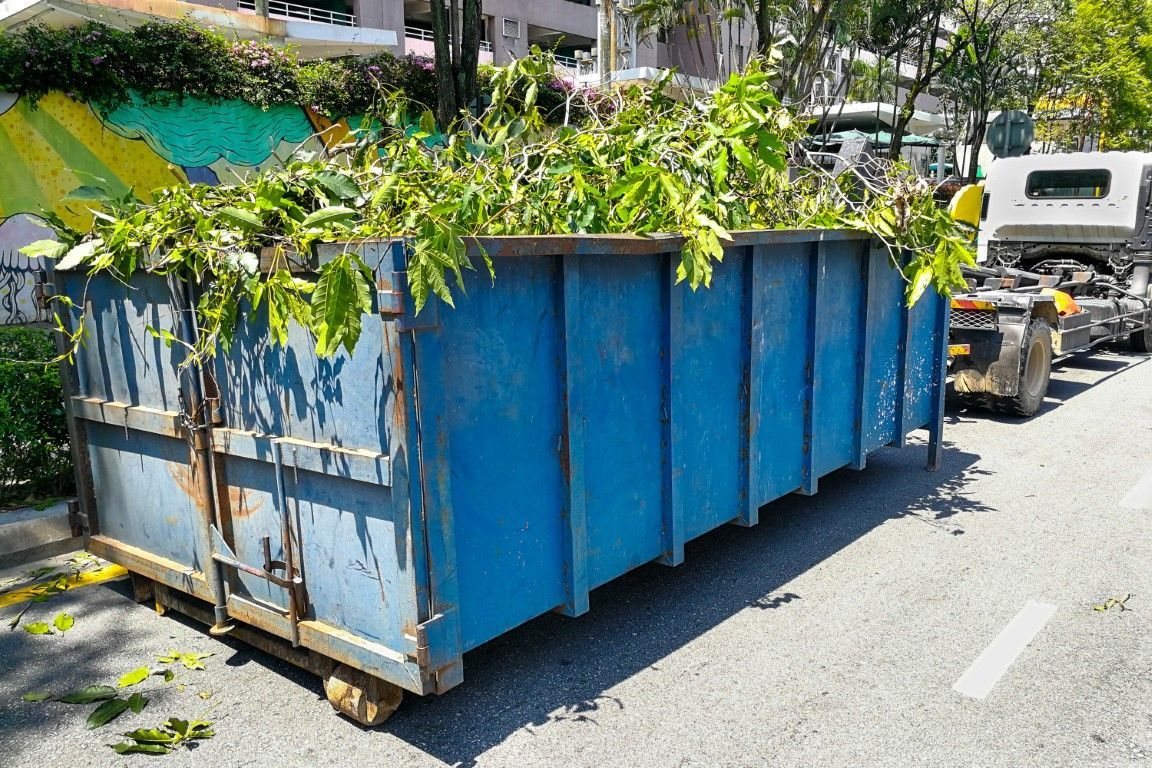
610 5
199 424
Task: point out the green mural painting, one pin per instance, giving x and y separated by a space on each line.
191 134
49 150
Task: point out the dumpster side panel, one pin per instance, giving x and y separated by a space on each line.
618 363
121 361
147 495
781 296
632 414
503 359
882 398
710 352
836 415
128 403
920 366
340 429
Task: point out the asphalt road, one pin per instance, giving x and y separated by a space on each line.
832 634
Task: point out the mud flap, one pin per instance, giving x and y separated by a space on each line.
993 365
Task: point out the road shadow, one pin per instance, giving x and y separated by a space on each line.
557 668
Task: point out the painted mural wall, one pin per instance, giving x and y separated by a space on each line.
49 149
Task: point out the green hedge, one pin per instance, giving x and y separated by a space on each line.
35 458
168 61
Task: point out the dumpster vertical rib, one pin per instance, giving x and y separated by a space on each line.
576 517
864 359
902 374
673 431
816 261
755 261
70 378
940 373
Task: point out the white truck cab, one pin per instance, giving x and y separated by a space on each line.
1092 199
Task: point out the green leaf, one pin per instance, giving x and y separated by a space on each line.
88 193
36 696
132 678
330 215
341 297
137 702
919 283
63 622
238 217
79 254
178 726
338 185
189 729
152 736
167 674
89 694
128 747
48 249
191 660
38 628
740 150
107 712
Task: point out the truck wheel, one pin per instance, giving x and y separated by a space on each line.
975 401
1142 340
1035 370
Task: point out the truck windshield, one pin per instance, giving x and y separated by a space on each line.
1091 184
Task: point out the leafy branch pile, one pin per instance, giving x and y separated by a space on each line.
642 162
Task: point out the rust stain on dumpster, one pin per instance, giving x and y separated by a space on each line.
182 476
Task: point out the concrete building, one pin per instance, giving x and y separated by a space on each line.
571 29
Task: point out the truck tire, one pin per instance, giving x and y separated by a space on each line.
1035 370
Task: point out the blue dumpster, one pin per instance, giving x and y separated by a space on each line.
374 517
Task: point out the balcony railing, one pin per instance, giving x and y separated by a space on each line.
279 9
416 33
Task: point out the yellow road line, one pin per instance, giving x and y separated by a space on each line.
24 594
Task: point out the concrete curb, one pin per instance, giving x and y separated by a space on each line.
30 534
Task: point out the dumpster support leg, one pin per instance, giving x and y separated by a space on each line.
940 369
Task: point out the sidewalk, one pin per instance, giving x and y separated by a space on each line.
29 534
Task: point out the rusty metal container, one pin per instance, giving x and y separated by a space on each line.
374 517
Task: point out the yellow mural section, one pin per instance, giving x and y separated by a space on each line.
49 150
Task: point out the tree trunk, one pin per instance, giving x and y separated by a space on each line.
979 130
789 84
457 57
469 52
764 28
929 64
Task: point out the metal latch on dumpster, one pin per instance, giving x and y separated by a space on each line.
437 641
392 301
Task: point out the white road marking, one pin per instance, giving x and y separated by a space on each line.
1140 497
979 679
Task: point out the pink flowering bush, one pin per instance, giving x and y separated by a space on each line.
269 73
